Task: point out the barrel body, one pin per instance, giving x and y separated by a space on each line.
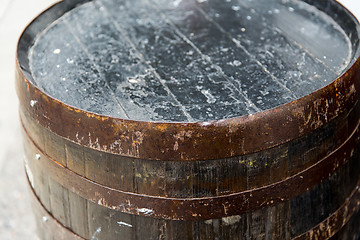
303 189
289 172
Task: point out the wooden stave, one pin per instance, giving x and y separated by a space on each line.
348 78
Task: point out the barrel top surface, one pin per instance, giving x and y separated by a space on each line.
187 60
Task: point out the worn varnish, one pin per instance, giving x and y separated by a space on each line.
185 119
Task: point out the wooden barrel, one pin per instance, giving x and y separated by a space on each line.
192 119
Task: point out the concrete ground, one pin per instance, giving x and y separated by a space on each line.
16 220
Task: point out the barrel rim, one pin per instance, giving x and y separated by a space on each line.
159 140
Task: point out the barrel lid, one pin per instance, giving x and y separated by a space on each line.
187 61
243 73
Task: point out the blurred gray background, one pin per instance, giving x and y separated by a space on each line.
16 220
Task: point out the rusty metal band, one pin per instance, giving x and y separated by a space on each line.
173 141
201 208
336 221
48 223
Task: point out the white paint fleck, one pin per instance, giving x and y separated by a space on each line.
235 8
176 3
235 63
58 66
57 51
32 103
201 1
209 96
44 219
145 211
63 79
132 80
243 29
190 52
37 156
94 236
231 220
70 61
291 9
248 17
124 224
101 201
205 123
277 11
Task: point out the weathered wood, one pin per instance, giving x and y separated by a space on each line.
37 175
79 215
350 230
107 224
321 192
293 157
278 222
77 205
192 119
59 201
48 227
149 177
252 220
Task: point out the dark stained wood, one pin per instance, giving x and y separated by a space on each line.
59 201
149 177
276 155
232 176
77 205
78 215
256 229
283 161
179 230
37 175
55 146
344 189
147 228
179 179
319 193
258 171
278 222
59 196
234 227
107 224
48 227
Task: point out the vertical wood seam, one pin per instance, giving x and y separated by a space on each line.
204 57
141 56
91 58
68 214
252 57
